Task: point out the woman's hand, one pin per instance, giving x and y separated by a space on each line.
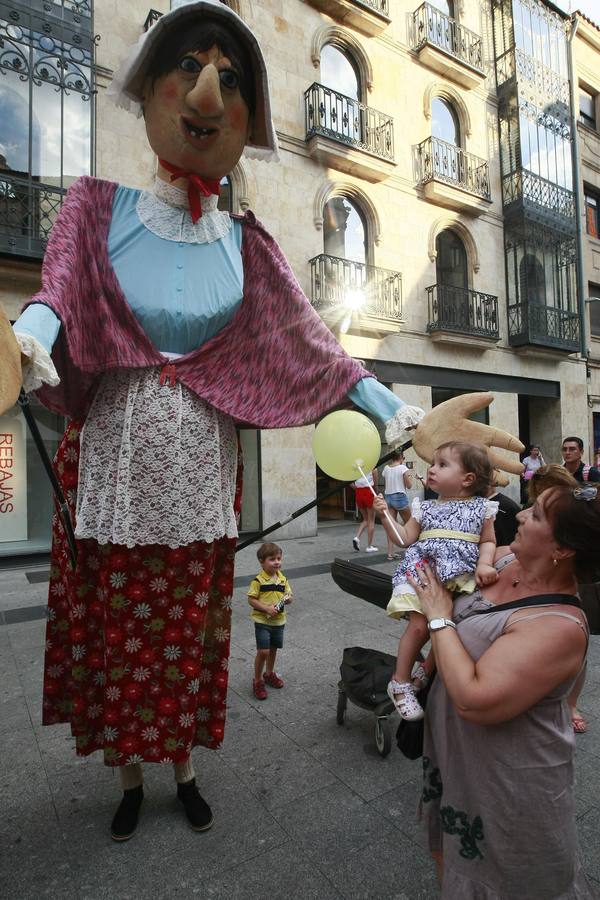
436 601
379 505
288 599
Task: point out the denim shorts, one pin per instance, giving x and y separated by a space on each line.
268 637
397 501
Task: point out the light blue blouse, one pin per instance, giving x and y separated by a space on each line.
182 294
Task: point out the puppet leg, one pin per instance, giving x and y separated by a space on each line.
197 810
126 817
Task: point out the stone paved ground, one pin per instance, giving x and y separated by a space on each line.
303 808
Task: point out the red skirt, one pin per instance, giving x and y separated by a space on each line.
364 497
137 640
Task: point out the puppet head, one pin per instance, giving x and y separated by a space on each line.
199 77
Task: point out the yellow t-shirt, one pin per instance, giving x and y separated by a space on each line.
269 589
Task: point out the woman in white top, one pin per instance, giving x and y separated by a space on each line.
363 490
397 482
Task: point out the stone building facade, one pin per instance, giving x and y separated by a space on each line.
391 201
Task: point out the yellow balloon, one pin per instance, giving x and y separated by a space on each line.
343 441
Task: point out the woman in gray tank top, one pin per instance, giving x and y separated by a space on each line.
499 746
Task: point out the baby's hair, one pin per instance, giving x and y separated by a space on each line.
268 549
473 458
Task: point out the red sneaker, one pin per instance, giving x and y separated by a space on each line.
259 689
273 679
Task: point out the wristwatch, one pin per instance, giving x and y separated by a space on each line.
438 624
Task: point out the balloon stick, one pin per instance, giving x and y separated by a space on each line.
386 513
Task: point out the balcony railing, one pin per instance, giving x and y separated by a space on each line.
549 203
349 286
380 6
544 326
462 311
347 121
431 26
27 213
548 85
440 161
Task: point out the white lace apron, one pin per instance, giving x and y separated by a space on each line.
157 464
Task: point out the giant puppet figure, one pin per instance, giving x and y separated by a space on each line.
161 325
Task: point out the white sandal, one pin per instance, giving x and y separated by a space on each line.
403 696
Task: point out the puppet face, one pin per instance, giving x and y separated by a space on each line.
195 115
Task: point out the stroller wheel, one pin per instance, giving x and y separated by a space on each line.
341 708
383 735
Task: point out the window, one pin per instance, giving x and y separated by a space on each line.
592 201
344 230
587 108
533 280
226 195
339 73
594 308
46 108
444 122
451 260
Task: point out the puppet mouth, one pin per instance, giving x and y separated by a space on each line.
198 132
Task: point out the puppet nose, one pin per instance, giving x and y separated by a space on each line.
205 97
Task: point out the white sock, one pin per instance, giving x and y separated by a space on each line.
131 776
184 771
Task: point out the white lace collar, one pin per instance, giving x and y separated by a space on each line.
164 211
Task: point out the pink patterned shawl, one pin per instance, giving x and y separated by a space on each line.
274 365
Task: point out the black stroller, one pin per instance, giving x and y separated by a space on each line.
365 673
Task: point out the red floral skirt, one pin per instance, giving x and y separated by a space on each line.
137 641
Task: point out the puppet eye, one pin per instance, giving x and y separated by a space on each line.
190 64
229 78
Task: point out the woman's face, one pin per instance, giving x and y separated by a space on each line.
534 536
195 115
535 452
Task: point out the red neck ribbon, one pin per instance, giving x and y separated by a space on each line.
197 187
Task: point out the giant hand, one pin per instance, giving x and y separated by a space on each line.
449 422
10 365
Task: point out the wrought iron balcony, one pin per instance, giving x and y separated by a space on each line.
440 161
548 90
348 286
348 121
462 311
27 213
380 6
532 324
432 27
371 17
540 200
153 16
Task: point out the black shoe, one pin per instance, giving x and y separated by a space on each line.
197 810
126 817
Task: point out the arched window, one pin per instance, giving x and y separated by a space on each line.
226 196
344 230
454 307
339 72
451 260
445 6
444 122
342 93
532 280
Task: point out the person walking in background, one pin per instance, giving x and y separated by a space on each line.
268 595
364 503
532 462
572 451
397 482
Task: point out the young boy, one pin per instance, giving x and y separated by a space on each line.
268 595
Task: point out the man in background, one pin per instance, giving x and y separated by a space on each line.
572 451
